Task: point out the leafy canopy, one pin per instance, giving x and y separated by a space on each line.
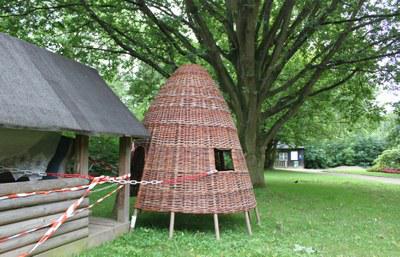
269 57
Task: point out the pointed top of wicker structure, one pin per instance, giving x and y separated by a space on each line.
192 132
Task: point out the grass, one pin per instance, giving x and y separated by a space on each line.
366 173
318 216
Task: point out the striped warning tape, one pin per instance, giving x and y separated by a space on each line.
67 214
22 195
98 201
123 180
67 189
73 209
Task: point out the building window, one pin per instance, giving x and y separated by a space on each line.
294 156
223 159
283 156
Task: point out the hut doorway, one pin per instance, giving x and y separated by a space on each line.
137 166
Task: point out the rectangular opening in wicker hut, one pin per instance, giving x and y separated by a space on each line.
43 97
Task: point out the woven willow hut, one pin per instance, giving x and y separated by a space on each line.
192 132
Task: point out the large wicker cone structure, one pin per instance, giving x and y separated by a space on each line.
188 120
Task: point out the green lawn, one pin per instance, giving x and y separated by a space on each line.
367 173
324 215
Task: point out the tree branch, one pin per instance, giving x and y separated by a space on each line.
213 57
395 14
264 17
111 32
369 58
273 72
168 31
268 39
102 49
335 85
280 39
307 88
40 8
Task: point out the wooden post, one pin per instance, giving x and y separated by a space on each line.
77 149
216 226
258 218
82 154
122 203
171 225
134 218
247 216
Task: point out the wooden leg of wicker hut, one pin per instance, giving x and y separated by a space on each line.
171 224
247 216
133 219
257 216
216 226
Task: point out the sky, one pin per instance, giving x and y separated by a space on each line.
386 97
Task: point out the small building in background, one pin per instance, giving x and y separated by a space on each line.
289 156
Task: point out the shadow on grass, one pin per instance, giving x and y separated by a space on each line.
190 222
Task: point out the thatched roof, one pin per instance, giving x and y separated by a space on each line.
42 90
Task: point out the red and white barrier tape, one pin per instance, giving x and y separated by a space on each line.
67 214
98 201
72 210
67 189
22 195
101 199
123 180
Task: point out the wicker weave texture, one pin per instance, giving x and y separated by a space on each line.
188 120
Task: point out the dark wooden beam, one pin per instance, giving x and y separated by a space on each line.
82 154
125 145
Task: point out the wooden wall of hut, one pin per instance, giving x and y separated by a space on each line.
17 215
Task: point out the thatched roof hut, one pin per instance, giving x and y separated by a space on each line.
192 132
42 94
45 91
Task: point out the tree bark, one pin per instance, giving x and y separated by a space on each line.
253 152
255 158
270 154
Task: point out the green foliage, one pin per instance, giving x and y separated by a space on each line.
394 127
143 86
335 114
359 150
388 159
269 58
366 149
335 216
105 149
315 157
347 156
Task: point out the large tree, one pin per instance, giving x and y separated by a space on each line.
333 116
268 56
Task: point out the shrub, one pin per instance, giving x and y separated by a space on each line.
315 158
389 159
356 150
347 156
105 149
366 150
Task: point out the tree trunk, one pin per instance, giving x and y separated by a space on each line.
255 157
255 162
270 154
